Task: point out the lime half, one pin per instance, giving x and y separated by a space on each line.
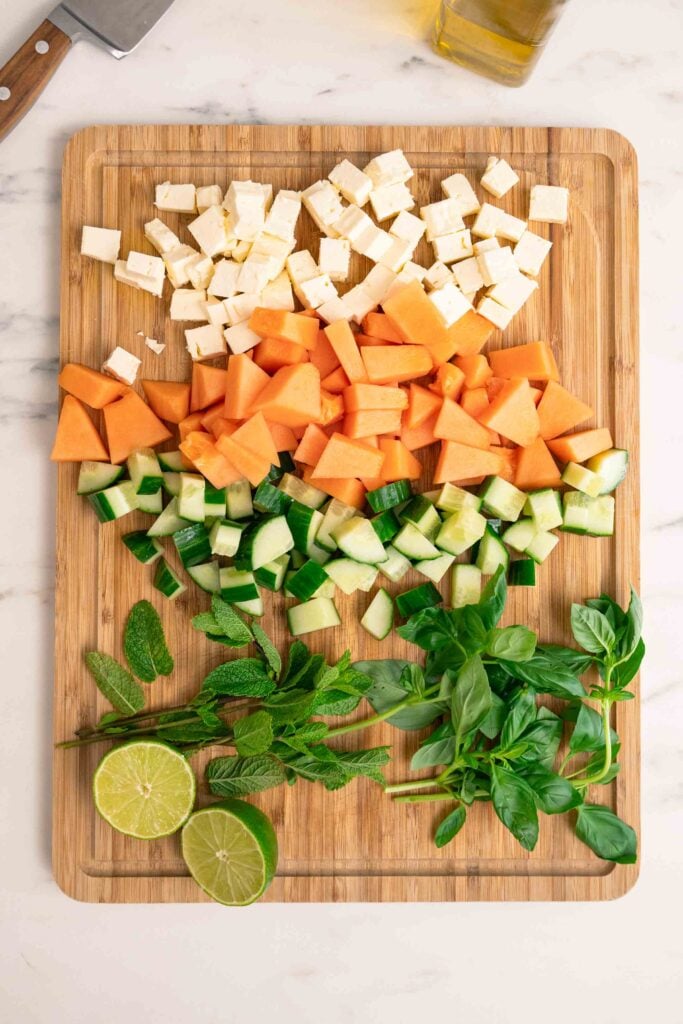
144 789
231 851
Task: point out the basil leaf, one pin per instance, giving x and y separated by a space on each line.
554 795
144 643
253 734
545 675
521 714
449 826
472 632
592 630
625 671
634 627
438 748
268 649
576 661
412 679
606 834
471 700
514 643
388 690
513 802
230 624
429 629
589 731
493 598
244 677
493 722
542 740
115 683
239 776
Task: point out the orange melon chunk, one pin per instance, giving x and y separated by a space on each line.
449 381
257 438
285 326
283 437
220 425
131 424
469 334
372 421
373 396
345 459
248 464
245 382
77 438
454 424
211 415
387 363
559 411
365 339
508 465
169 399
323 356
342 340
312 445
190 423
460 462
331 408
533 360
419 437
378 325
536 467
88 386
581 446
351 492
335 382
474 401
476 369
422 405
399 463
512 413
272 353
208 385
207 460
291 397
414 317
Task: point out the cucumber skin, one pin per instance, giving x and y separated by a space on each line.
193 544
522 573
417 599
166 581
138 543
305 581
389 496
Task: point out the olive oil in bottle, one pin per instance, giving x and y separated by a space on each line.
501 39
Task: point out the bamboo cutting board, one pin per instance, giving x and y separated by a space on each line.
354 844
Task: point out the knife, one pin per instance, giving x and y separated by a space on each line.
116 25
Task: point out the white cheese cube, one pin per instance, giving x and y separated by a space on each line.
450 303
449 248
199 270
175 198
513 292
493 311
496 265
205 342
161 236
224 280
467 275
101 243
510 228
549 203
389 200
301 266
315 291
437 275
377 282
485 245
255 273
322 201
241 338
145 265
208 231
408 227
240 250
247 203
123 365
156 346
498 178
359 302
188 304
216 313
240 307
486 222
354 184
333 310
530 252
283 216
373 243
278 294
352 223
335 258
389 169
413 272
176 261
275 249
458 187
397 255
442 218
208 195
153 285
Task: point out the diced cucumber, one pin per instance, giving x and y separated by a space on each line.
237 585
297 557
318 554
114 502
611 466
396 565
465 585
389 496
582 479
214 502
151 503
452 499
191 497
386 525
423 515
522 573
303 493
304 522
238 500
172 461
287 464
254 607
357 539
545 508
171 483
502 499
336 513
575 512
225 537
541 546
145 549
97 476
378 620
319 613
193 544
145 471
166 580
425 595
520 535
432 496
263 541
460 531
491 552
168 522
306 581
206 576
601 516
351 576
414 545
435 568
272 574
326 589
270 499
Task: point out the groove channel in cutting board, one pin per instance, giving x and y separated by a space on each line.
353 844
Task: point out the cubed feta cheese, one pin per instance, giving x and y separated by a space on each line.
153 285
335 258
549 203
449 248
208 195
284 214
333 310
101 243
493 311
408 227
145 265
278 294
389 200
200 270
437 275
359 302
530 252
175 198
450 303
241 338
352 223
208 231
322 201
205 342
224 280
468 276
276 250
414 271
397 255
176 261
389 168
442 218
377 282
315 291
354 184
373 243
255 273
513 292
247 203
487 221
301 266
123 365
240 250
485 245
458 187
240 307
216 313
496 265
161 236
510 228
498 178
188 304
156 346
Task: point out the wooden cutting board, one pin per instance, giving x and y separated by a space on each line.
354 844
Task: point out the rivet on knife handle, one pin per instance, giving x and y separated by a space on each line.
26 74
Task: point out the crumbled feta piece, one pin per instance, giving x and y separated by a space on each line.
442 218
199 270
241 338
154 285
352 223
208 195
333 310
377 282
496 265
224 280
485 245
208 231
390 168
101 243
161 236
301 266
468 276
437 275
275 249
449 248
283 215
493 311
322 201
397 255
354 185
408 227
255 273
450 303
313 292
156 346
176 261
486 222
549 203
175 198
335 258
145 265
123 365
414 271
188 304
247 203
373 243
205 342
530 253
513 292
278 294
458 187
390 200
509 227
240 307
216 313
359 302
499 177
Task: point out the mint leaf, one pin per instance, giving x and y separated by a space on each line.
253 734
115 683
268 649
230 624
144 643
449 826
606 834
239 776
245 677
364 762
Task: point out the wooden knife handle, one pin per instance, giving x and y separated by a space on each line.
26 74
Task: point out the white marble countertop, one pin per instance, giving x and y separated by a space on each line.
612 63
